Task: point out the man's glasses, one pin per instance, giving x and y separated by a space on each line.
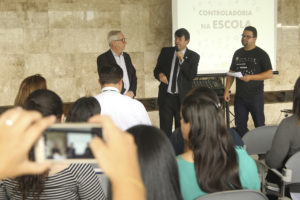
246 36
121 40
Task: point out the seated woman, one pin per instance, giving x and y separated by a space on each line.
286 141
62 181
179 143
83 109
158 163
212 163
29 85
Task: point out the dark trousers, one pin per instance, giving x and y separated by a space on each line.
177 142
168 110
242 107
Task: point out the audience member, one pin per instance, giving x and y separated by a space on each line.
178 141
116 55
19 129
29 85
62 181
179 144
286 141
158 163
212 163
83 109
124 111
46 102
118 158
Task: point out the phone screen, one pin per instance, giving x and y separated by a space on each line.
69 144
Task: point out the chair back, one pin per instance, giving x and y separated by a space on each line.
259 140
104 184
293 164
235 195
104 181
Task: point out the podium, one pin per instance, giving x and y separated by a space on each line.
215 82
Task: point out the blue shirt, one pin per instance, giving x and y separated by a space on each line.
188 182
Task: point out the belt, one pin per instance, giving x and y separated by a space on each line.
175 95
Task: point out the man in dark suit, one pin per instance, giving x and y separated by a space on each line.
175 69
116 55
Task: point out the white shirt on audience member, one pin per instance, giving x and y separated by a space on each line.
124 111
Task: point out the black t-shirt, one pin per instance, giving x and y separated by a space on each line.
250 62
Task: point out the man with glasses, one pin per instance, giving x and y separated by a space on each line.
116 55
255 66
175 69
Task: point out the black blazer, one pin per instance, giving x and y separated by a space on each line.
108 58
187 72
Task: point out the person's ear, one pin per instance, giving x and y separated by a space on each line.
187 42
112 44
120 83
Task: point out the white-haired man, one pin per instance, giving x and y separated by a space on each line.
116 55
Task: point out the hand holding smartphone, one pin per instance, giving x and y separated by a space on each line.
68 142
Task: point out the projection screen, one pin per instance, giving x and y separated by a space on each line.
216 27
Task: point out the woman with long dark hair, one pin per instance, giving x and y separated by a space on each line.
158 163
63 180
82 109
212 163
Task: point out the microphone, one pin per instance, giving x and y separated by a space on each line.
176 48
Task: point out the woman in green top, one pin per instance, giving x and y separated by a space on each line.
211 163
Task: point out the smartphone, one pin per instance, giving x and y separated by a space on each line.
67 142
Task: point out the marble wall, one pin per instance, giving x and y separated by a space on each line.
61 40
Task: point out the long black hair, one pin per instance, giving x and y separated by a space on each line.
83 109
158 163
215 158
47 103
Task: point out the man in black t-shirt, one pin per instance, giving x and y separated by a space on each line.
255 66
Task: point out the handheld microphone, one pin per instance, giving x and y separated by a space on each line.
176 48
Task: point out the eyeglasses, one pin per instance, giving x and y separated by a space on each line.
121 40
247 36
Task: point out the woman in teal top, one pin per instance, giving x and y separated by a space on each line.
211 163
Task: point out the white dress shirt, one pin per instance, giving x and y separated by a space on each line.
121 62
171 73
124 111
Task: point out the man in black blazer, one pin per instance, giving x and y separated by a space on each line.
175 69
116 55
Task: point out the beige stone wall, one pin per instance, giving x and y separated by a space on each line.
61 39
